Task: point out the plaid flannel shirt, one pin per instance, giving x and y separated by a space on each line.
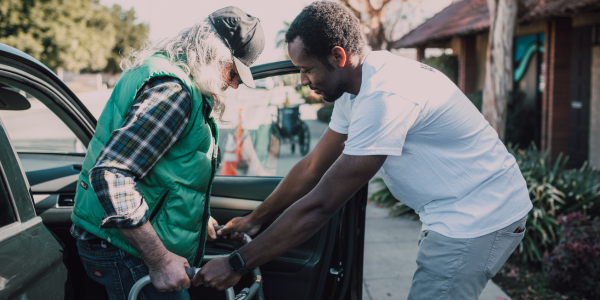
154 122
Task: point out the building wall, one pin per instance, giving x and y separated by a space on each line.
594 153
481 50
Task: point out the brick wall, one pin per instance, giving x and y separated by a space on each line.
556 97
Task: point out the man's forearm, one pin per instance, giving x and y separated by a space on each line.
300 221
303 218
145 240
303 177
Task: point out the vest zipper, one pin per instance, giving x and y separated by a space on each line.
158 206
213 162
205 217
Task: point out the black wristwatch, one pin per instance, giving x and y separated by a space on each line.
237 263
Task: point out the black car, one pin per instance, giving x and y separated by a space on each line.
38 256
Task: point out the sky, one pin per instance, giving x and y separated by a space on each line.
167 17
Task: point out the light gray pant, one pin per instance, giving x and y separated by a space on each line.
450 268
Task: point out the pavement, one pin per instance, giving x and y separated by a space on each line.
391 254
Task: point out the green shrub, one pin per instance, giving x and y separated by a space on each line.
575 263
383 197
541 179
324 113
553 191
305 93
477 98
520 116
447 64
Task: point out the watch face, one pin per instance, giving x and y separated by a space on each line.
236 262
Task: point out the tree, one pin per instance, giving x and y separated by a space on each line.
280 38
498 65
371 14
71 34
130 35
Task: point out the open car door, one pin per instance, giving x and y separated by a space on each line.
51 138
329 264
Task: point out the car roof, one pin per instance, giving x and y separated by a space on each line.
25 57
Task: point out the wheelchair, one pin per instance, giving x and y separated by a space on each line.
289 128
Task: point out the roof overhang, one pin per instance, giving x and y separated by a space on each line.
468 17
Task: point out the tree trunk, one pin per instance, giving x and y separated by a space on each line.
374 23
498 65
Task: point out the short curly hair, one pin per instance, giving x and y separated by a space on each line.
323 25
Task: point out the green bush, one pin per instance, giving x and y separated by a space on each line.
520 117
546 198
447 64
574 265
305 93
383 197
324 113
477 99
553 191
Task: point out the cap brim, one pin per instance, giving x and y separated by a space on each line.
245 73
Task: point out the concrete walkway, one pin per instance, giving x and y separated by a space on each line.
390 257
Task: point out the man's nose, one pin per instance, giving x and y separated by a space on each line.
304 79
234 82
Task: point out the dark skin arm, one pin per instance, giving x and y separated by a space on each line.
300 221
303 177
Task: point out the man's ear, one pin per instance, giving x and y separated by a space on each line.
338 55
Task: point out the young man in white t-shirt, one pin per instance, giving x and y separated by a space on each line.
434 150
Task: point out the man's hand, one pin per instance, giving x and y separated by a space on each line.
212 235
168 274
218 274
238 226
167 270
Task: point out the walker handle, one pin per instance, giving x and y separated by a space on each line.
191 272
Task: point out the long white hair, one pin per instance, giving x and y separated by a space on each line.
199 52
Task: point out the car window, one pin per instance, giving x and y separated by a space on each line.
38 129
267 130
7 213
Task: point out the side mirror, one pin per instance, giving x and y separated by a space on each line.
11 100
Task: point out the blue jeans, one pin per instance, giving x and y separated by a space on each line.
118 271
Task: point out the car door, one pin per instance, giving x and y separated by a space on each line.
31 258
49 133
327 266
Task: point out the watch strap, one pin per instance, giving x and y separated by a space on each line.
237 263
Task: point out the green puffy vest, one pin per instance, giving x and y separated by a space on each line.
177 188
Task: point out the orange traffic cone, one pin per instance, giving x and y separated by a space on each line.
229 159
239 131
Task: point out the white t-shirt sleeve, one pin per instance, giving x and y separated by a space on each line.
339 120
379 125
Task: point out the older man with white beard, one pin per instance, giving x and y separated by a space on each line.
142 197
